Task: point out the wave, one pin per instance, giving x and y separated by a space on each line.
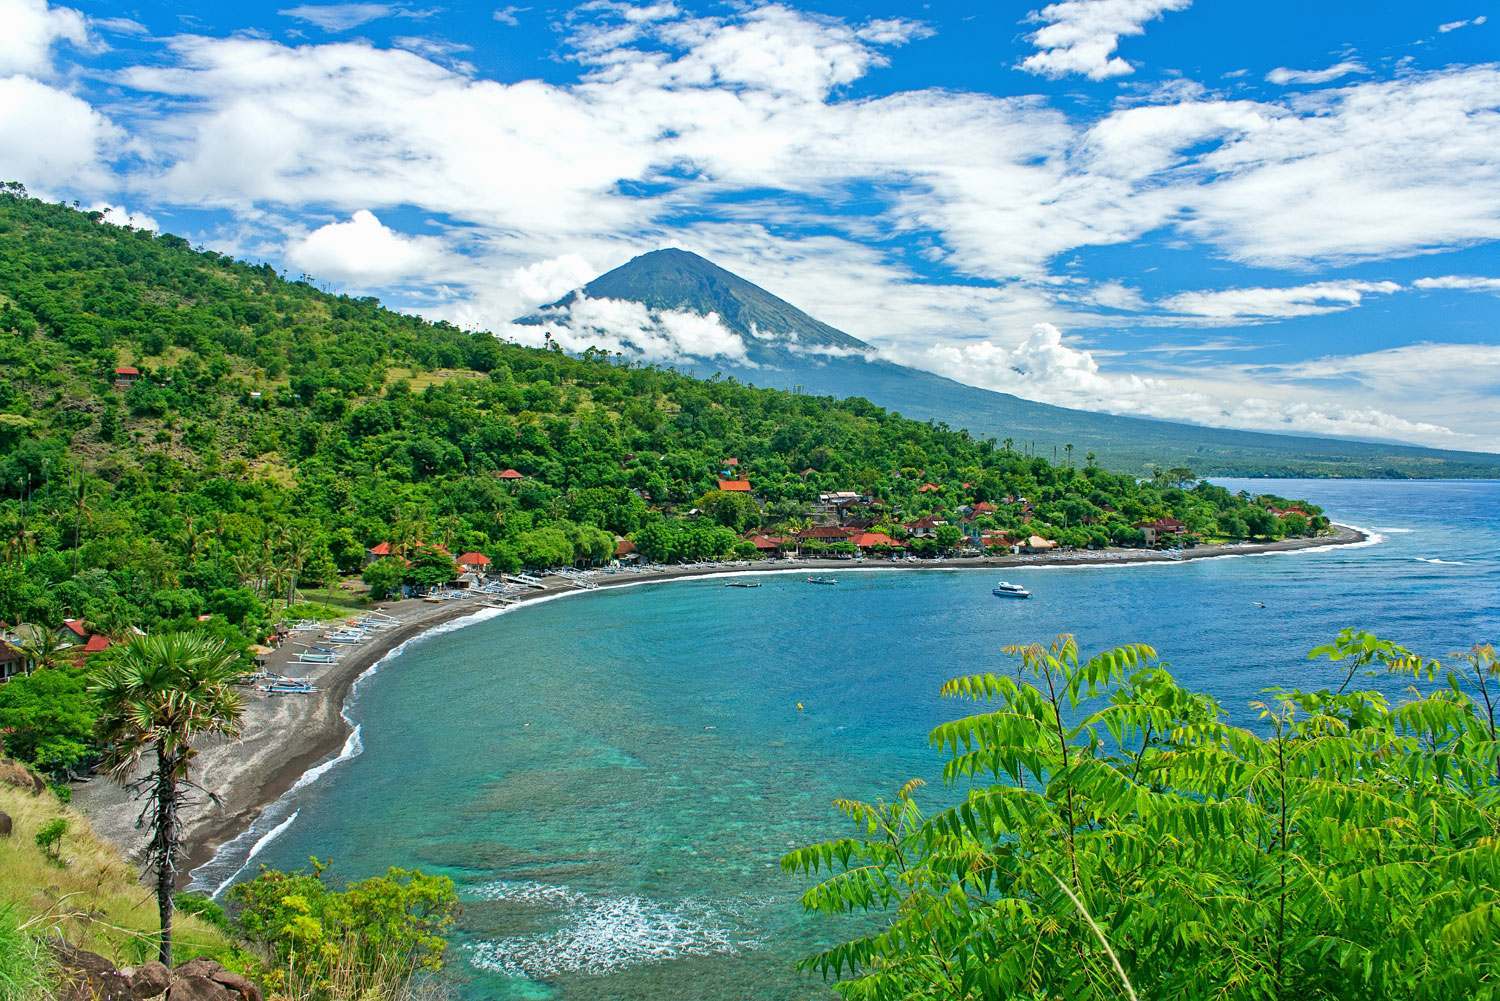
601 935
1446 563
1396 531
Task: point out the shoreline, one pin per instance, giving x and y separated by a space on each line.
286 736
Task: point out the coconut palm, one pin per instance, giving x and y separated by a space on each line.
39 646
156 700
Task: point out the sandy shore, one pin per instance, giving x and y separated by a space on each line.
285 735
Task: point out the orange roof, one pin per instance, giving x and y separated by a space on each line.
474 560
76 626
127 370
96 643
384 549
928 488
509 474
873 539
731 462
740 486
624 547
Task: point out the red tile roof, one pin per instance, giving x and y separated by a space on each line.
731 462
127 370
873 539
474 560
808 471
738 486
77 627
928 488
96 643
762 543
509 474
383 549
624 547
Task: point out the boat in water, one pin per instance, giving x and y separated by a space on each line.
1005 589
743 583
821 580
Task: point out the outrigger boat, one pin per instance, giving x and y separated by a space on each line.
289 686
821 580
742 583
1005 589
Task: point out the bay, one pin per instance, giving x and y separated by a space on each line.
610 778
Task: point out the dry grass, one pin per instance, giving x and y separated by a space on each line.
94 898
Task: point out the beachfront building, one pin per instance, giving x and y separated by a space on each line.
1160 530
874 540
1037 544
923 528
473 562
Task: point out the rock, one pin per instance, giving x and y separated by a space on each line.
197 989
87 976
149 980
5 824
16 774
205 971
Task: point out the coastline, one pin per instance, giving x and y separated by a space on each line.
286 736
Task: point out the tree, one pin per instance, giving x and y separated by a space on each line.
47 719
384 577
1119 837
156 699
947 536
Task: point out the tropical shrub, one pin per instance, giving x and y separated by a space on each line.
1121 838
367 940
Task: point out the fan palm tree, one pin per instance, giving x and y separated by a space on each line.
162 695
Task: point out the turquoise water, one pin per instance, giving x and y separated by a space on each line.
611 778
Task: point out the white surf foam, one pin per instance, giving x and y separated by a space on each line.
599 935
1446 563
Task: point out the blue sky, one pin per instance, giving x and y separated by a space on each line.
1276 216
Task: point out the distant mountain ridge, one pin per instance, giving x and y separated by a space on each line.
788 349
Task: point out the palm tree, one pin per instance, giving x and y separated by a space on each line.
160 696
40 647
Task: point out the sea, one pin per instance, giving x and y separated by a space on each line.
611 778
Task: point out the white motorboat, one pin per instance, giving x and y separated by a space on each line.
1005 589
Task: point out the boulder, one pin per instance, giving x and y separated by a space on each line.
14 773
149 980
203 975
5 824
87 976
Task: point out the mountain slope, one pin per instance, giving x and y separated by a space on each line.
785 348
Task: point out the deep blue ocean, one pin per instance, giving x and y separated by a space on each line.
611 778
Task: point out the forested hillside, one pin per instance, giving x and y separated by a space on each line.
270 434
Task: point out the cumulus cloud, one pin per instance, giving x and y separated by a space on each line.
48 135
31 28
508 15
1081 36
628 327
1466 283
1282 75
1277 398
119 215
364 251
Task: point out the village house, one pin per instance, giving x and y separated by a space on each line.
870 540
125 376
12 660
1160 529
473 562
735 486
509 475
923 528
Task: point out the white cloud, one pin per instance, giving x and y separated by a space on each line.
1466 283
119 215
1294 398
30 29
364 251
1252 304
1282 75
619 325
1455 25
48 136
508 15
1081 36
337 17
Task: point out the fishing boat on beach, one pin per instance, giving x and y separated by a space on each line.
1005 589
822 580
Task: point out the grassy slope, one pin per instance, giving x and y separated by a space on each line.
94 899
